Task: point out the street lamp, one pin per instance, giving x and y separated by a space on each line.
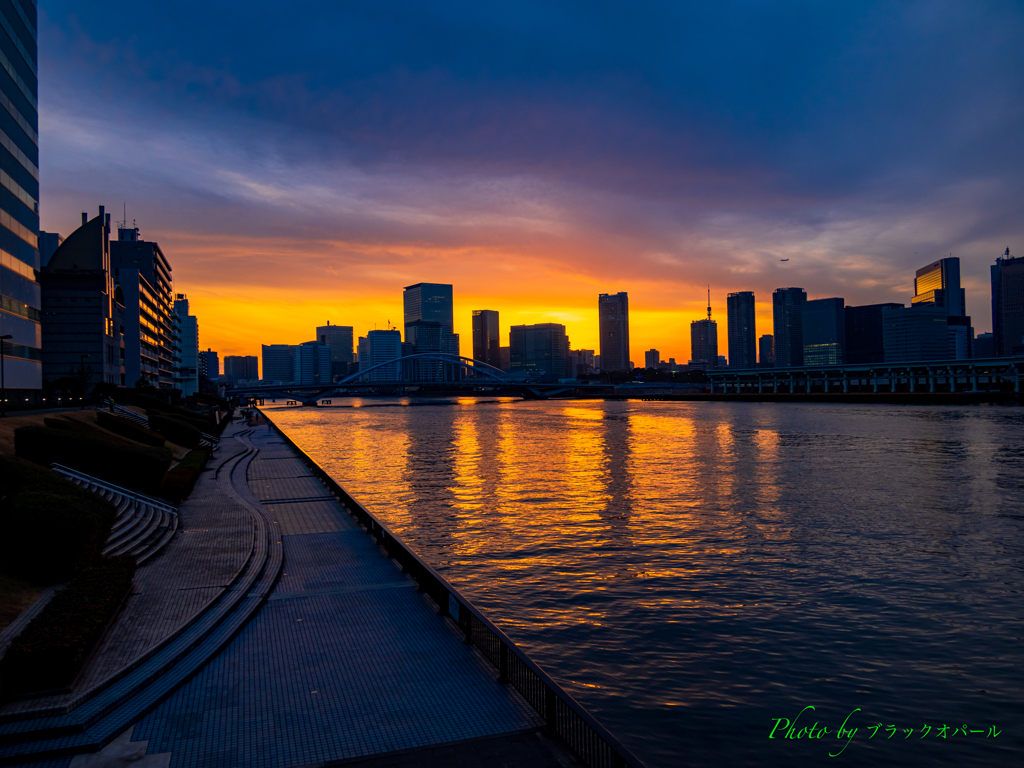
3 387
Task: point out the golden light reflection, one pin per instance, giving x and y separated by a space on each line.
539 491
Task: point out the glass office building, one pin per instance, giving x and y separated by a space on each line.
541 351
20 293
825 332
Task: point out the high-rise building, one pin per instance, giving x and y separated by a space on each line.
506 359
432 302
864 344
20 294
788 321
187 347
742 329
82 315
985 345
311 363
381 347
486 337
825 332
209 365
652 359
766 351
49 242
339 339
613 321
429 325
277 363
916 333
143 274
1007 304
241 368
581 361
541 351
704 341
938 285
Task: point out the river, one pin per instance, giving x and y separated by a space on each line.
696 574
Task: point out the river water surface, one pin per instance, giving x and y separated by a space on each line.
692 572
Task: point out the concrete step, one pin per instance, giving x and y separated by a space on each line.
97 716
143 527
161 542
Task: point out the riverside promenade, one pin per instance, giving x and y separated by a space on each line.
324 654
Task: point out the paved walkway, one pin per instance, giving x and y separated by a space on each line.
345 660
345 663
212 545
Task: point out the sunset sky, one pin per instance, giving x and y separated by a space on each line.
300 163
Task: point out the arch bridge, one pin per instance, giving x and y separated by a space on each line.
425 369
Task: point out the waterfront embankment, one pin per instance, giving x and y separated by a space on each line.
310 645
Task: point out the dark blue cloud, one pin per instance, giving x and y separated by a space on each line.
771 119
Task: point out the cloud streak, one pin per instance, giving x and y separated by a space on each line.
537 155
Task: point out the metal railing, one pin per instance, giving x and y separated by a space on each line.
564 716
138 418
81 477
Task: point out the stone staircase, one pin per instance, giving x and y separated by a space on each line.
91 718
143 525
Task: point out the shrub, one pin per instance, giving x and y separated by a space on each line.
181 479
135 466
129 429
151 403
52 529
55 644
17 473
81 428
175 430
201 424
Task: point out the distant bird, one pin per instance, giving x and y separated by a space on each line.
783 259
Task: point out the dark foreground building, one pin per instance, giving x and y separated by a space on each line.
83 311
20 294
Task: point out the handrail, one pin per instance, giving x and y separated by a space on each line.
140 419
566 717
76 475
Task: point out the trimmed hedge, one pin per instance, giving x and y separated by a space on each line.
128 428
81 428
134 466
180 481
52 529
55 644
151 403
175 430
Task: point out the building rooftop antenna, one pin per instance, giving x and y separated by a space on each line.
709 302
